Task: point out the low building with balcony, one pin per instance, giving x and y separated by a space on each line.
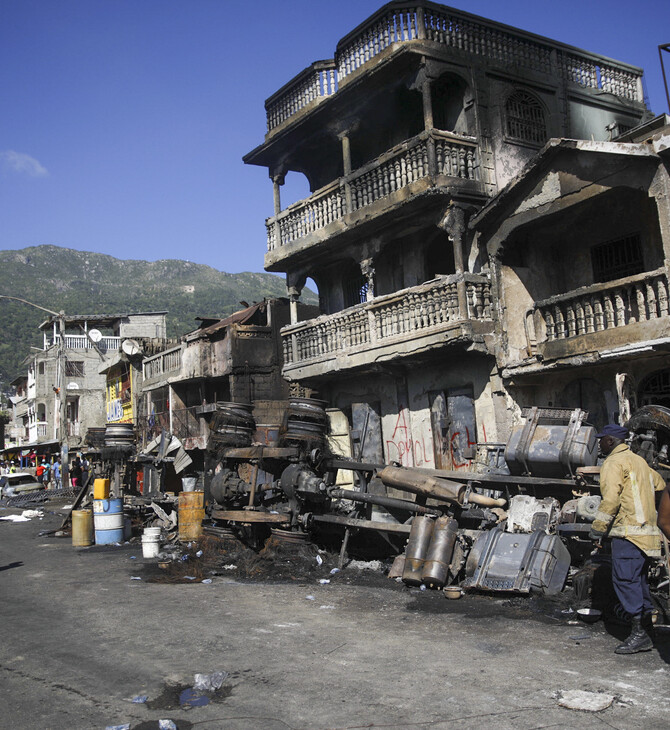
238 358
76 368
424 114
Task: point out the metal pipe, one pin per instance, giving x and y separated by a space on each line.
363 524
410 480
382 501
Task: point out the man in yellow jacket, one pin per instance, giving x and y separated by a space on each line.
627 514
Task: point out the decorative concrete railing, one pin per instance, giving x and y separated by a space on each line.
162 364
82 342
316 82
396 169
41 429
404 315
605 306
425 21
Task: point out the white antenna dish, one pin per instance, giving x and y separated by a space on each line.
73 386
95 335
130 347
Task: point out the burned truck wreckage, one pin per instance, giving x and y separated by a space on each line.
516 522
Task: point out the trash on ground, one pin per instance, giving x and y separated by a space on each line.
118 727
192 698
323 581
189 577
139 699
577 699
207 581
334 570
310 598
209 682
15 518
166 725
135 577
366 565
319 560
327 607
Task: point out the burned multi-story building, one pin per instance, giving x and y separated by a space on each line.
459 253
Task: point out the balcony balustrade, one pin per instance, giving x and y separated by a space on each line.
428 22
396 169
406 315
82 342
600 307
162 364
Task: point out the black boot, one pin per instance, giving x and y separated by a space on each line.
638 639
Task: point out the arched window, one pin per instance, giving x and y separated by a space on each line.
655 389
524 118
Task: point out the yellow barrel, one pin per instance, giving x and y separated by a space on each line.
101 489
82 527
191 515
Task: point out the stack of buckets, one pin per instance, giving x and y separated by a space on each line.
107 514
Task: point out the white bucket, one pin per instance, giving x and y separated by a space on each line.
150 546
152 531
188 483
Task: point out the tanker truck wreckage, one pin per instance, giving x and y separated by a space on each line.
516 525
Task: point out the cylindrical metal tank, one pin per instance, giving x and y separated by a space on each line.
417 547
440 550
549 452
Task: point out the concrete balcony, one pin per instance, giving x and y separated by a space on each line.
400 325
424 24
163 365
82 342
429 160
604 318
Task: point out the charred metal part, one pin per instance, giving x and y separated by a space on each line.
290 536
305 421
517 563
588 506
261 452
390 502
551 443
298 480
438 558
249 516
410 481
417 547
232 425
527 514
308 518
226 485
650 417
500 479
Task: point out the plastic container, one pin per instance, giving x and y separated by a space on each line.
82 527
191 514
188 483
101 489
108 521
151 542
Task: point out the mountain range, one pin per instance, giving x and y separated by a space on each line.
83 282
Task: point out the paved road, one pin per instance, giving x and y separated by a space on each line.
79 639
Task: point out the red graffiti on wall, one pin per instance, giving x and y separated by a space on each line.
456 449
401 447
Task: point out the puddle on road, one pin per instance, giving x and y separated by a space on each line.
184 697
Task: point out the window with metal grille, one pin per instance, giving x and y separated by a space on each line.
616 259
524 117
74 369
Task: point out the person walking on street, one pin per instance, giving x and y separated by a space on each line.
75 473
627 514
56 474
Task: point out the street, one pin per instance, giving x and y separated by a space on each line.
81 639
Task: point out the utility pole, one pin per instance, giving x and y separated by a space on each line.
62 393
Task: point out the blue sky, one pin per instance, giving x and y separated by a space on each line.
124 121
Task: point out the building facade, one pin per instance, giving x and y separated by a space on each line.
424 115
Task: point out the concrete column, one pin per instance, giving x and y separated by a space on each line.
453 223
428 124
277 182
346 168
294 298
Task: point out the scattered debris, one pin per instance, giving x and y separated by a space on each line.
166 725
577 699
139 699
135 577
209 682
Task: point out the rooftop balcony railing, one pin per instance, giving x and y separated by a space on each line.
402 316
401 23
168 362
82 342
599 307
394 170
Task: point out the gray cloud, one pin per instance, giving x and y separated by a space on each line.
22 164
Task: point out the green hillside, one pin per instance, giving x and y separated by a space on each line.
81 282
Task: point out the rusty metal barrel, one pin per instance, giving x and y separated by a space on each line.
440 550
417 547
191 514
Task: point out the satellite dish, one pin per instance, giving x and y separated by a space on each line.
73 386
130 347
95 335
